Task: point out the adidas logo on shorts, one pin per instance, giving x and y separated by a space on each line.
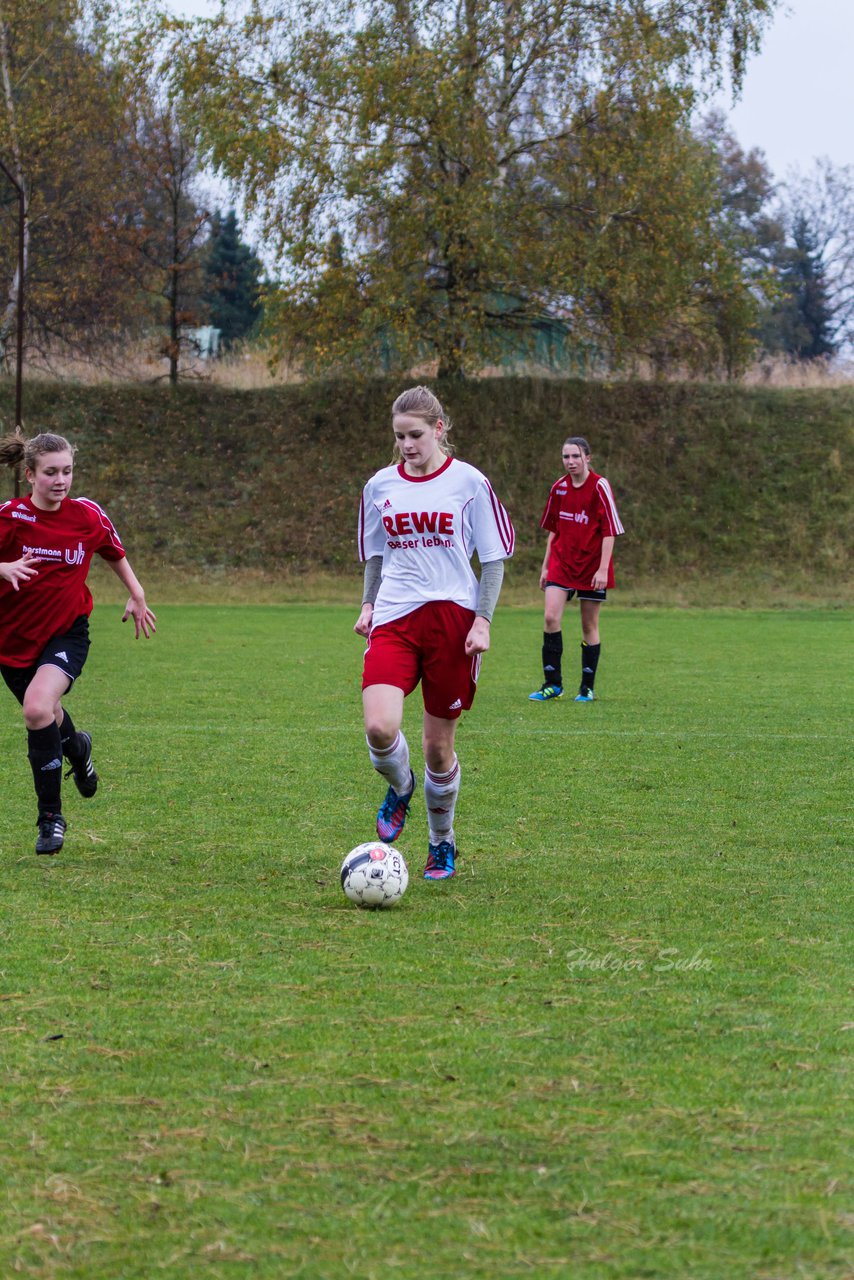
456 705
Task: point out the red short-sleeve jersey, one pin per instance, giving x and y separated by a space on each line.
64 542
579 518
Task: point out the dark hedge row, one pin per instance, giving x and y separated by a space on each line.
708 478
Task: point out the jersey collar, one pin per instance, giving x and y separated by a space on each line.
420 479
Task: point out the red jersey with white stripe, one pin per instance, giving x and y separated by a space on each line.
580 518
64 542
427 528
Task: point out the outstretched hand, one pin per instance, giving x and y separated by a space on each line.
18 571
143 618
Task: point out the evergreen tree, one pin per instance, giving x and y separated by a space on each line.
233 280
813 313
800 324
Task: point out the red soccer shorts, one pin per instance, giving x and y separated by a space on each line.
427 645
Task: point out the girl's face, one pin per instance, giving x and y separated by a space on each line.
418 443
576 462
51 479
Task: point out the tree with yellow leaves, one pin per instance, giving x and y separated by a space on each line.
439 176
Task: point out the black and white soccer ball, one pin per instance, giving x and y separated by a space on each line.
374 875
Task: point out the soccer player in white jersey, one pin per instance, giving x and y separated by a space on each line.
47 541
424 613
583 525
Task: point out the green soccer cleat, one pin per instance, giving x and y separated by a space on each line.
546 693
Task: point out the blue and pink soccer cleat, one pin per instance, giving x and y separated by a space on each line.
440 861
393 810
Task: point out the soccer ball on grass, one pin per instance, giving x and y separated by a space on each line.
374 875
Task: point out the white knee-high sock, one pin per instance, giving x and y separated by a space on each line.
440 796
392 762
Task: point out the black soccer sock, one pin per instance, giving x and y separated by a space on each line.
44 748
552 654
67 734
589 663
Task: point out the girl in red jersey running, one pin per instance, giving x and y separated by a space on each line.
583 523
424 613
47 541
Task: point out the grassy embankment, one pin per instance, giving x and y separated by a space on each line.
729 496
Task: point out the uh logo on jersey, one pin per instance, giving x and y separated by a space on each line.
77 556
73 555
434 529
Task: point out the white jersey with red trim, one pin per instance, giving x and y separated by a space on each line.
427 528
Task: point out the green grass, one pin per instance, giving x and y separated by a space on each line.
618 1045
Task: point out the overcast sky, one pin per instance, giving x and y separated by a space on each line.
798 96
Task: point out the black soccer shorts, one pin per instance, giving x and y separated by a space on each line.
584 593
68 652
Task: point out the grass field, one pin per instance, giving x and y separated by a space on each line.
617 1045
